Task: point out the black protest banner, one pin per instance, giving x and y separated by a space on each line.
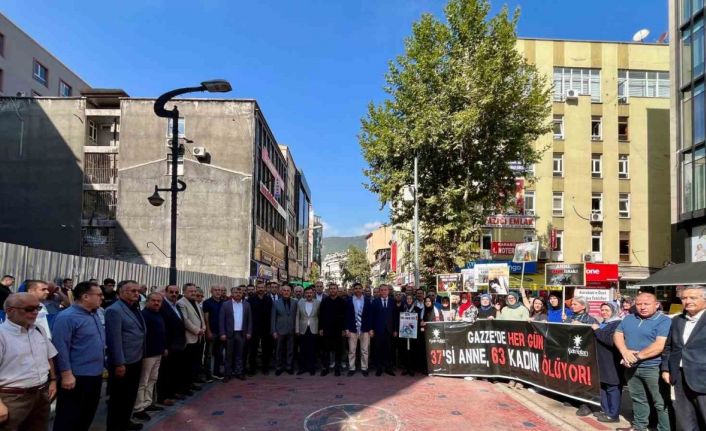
558 357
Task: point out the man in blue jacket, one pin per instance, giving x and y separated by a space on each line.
125 336
358 325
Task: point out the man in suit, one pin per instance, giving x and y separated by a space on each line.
385 321
331 316
235 321
282 325
171 383
261 310
683 360
195 329
358 329
274 291
125 340
307 328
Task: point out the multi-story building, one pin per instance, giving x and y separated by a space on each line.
27 69
599 193
294 268
378 251
78 179
688 131
305 237
317 243
332 267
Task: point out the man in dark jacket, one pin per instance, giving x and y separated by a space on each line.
331 327
385 324
173 365
261 310
155 348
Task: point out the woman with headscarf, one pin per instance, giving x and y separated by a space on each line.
430 314
538 310
513 309
408 348
608 363
448 312
486 310
470 313
465 303
555 310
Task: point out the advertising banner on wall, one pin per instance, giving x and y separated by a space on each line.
560 358
448 282
564 274
510 221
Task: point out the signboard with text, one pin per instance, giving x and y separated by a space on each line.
595 298
564 274
515 268
408 325
560 358
503 248
510 221
601 274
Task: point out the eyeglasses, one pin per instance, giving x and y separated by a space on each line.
28 309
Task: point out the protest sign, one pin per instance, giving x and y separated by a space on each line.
408 325
560 358
447 282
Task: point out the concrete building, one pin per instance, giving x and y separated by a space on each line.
378 251
75 179
332 267
27 69
600 192
688 131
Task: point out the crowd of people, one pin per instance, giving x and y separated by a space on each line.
159 345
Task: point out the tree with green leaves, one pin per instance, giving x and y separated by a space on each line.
356 268
314 272
470 107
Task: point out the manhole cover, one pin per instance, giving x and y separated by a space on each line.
350 417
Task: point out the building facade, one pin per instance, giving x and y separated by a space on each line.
332 267
688 131
599 193
27 69
378 251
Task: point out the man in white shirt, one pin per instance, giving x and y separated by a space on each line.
235 323
683 360
27 376
40 290
358 329
319 287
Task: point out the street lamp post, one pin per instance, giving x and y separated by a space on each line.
215 86
416 224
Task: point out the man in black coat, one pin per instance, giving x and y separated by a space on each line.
385 323
331 319
683 362
171 382
261 311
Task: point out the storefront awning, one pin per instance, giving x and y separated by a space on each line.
677 275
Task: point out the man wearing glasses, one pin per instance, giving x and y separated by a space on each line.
27 378
79 337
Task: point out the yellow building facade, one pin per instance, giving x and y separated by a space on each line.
601 192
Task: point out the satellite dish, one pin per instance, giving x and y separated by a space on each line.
641 35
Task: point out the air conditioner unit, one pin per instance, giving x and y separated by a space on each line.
572 94
198 151
597 217
587 257
597 257
623 99
543 255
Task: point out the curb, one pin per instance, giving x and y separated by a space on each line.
539 409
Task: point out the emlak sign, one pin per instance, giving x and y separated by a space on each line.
601 274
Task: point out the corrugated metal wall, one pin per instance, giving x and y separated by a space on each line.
28 263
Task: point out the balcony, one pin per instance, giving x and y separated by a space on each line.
100 168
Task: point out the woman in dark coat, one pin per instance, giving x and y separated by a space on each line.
608 364
408 348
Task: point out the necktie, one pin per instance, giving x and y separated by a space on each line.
358 319
384 303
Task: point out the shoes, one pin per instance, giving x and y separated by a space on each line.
226 379
584 410
290 371
278 373
133 426
167 402
365 373
324 372
378 373
241 376
389 372
337 373
143 416
209 380
154 408
602 417
179 397
350 373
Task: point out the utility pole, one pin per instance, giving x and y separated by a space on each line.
416 225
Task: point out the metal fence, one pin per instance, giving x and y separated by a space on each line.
25 263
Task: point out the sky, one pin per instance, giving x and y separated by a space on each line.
312 65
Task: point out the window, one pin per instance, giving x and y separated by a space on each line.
596 128
697 48
1 81
64 89
2 45
596 166
585 81
559 242
686 56
596 242
687 126
182 127
624 205
642 83
529 202
558 127
92 133
597 203
694 179
558 204
623 167
698 126
623 128
624 246
40 73
486 241
180 164
558 165
687 182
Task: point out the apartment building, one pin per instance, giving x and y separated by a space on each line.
27 69
600 192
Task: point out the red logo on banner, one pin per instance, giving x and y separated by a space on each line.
601 274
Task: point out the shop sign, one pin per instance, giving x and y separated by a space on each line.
601 274
503 248
510 221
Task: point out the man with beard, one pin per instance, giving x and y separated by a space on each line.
331 317
261 310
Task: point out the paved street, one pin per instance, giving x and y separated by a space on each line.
373 403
